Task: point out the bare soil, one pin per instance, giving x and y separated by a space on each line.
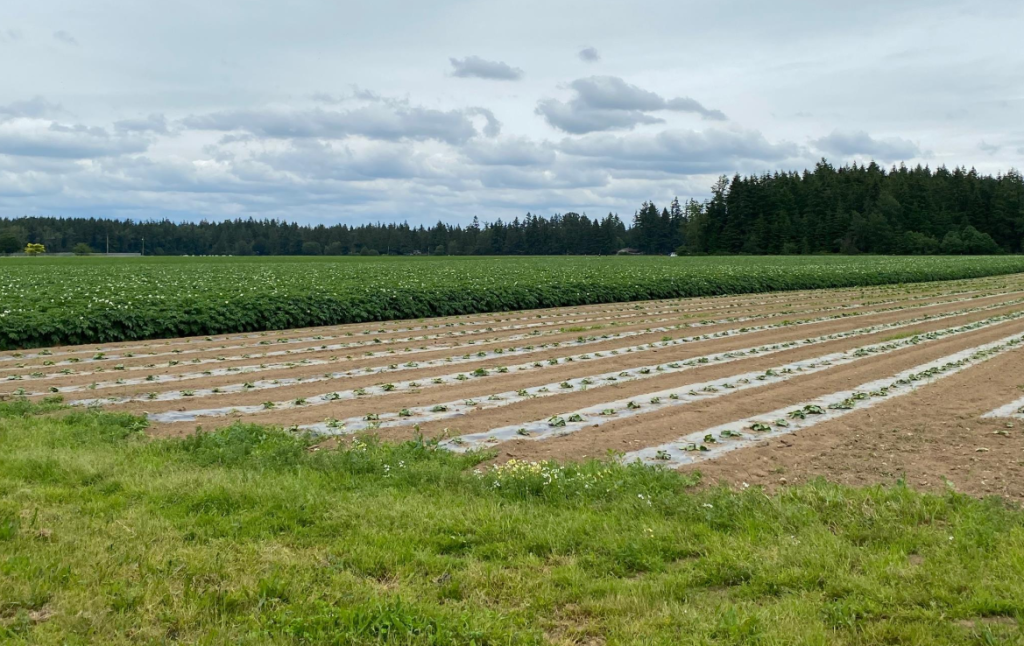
933 437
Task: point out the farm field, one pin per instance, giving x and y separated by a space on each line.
667 472
864 385
51 301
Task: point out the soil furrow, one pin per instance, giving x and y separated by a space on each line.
482 387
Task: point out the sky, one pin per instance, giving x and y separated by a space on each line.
331 112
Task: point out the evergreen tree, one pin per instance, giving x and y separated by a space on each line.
852 209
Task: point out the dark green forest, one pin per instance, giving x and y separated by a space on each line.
845 210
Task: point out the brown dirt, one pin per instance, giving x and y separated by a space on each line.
338 361
929 436
715 307
666 425
161 358
545 407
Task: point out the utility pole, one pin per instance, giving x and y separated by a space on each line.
143 246
108 243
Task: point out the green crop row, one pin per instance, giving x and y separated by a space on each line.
51 301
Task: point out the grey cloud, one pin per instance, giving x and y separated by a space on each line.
33 108
38 165
577 119
154 123
235 139
589 55
612 93
10 35
476 67
686 104
375 122
65 38
610 103
991 149
324 97
517 151
861 143
37 139
313 159
493 126
217 182
680 151
357 94
524 178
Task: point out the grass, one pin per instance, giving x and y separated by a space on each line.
248 536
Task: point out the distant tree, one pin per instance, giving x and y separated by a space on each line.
919 244
369 252
976 242
81 249
311 248
34 249
9 243
952 244
826 209
439 250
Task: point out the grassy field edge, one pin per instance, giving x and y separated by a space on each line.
250 535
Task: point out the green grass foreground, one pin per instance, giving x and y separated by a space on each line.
53 301
245 536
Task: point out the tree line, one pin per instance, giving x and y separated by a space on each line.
847 210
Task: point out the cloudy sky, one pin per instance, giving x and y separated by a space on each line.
330 111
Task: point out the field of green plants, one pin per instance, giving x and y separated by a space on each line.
50 301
